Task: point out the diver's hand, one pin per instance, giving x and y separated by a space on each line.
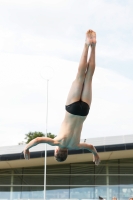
96 159
26 154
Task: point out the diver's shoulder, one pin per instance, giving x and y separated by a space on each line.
55 142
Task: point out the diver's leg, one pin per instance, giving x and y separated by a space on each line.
77 85
87 89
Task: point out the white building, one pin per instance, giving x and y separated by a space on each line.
77 178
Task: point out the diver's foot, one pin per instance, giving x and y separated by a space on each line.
90 38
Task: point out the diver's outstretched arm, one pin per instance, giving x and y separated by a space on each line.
92 149
35 142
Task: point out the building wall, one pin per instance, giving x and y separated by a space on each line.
70 181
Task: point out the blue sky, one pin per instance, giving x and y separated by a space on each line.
39 33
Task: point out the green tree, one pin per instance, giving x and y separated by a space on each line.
32 135
50 135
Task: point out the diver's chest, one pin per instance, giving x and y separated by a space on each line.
71 141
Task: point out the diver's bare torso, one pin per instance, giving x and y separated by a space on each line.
70 131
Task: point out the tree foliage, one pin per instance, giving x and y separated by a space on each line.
32 135
50 135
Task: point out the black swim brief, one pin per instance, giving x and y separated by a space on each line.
78 108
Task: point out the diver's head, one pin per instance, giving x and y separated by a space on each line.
60 154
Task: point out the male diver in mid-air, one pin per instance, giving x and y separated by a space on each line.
77 108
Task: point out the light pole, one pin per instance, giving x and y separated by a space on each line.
46 73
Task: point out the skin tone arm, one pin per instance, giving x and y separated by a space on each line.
37 141
53 142
92 149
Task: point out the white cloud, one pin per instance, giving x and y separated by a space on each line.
112 108
58 29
